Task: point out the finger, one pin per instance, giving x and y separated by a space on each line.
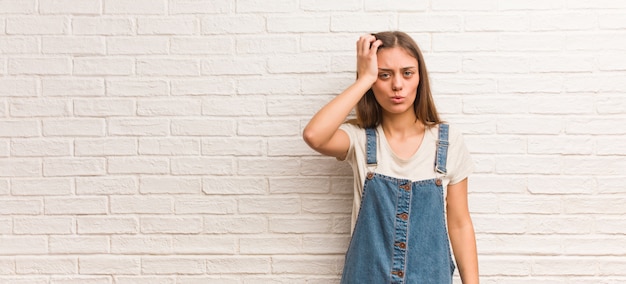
375 45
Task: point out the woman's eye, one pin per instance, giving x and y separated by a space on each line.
408 73
383 75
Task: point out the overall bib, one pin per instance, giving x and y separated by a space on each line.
400 236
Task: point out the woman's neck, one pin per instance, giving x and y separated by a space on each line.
401 126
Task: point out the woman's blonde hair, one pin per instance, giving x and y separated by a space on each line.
369 112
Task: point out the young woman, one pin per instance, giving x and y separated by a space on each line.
403 157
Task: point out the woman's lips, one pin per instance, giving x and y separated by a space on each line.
397 100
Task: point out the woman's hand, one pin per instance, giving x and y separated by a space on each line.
366 60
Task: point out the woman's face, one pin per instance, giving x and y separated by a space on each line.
398 78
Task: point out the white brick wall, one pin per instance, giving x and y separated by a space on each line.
158 141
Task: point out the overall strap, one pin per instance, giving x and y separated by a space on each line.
442 149
371 146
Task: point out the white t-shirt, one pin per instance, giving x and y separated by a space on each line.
421 166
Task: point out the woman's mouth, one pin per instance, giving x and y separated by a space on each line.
397 99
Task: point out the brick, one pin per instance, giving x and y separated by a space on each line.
212 205
40 66
327 205
610 21
81 280
429 23
288 147
269 127
451 5
517 244
141 244
140 204
104 107
171 225
611 62
491 183
235 224
19 45
219 45
107 225
118 265
173 265
561 145
4 187
7 266
144 45
203 127
206 86
257 6
527 126
239 264
610 146
233 24
138 165
202 166
73 87
21 207
495 64
102 26
234 66
315 167
307 264
233 146
105 147
560 22
24 280
271 244
590 83
166 26
73 45
141 7
77 127
23 245
258 205
107 185
314 64
607 225
531 42
562 64
328 5
580 41
510 22
268 166
325 244
544 84
361 22
464 42
165 185
207 280
451 85
265 44
234 185
530 5
593 205
89 7
200 244
169 146
300 185
234 106
60 167
287 106
507 266
586 245
103 66
75 205
18 6
145 280
519 204
300 225
169 107
41 186
18 87
46 265
298 24
40 147
40 108
325 85
547 225
500 225
206 6
40 25
138 127
78 244
43 226
268 86
136 88
23 167
168 67
596 126
501 144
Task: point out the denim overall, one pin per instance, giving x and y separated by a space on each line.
400 235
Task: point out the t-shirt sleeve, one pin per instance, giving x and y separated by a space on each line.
460 163
351 130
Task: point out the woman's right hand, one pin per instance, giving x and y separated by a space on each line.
366 60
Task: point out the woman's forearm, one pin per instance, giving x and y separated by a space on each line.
463 242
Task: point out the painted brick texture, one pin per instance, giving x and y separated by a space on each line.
158 141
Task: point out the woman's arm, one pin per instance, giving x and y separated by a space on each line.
321 133
461 232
